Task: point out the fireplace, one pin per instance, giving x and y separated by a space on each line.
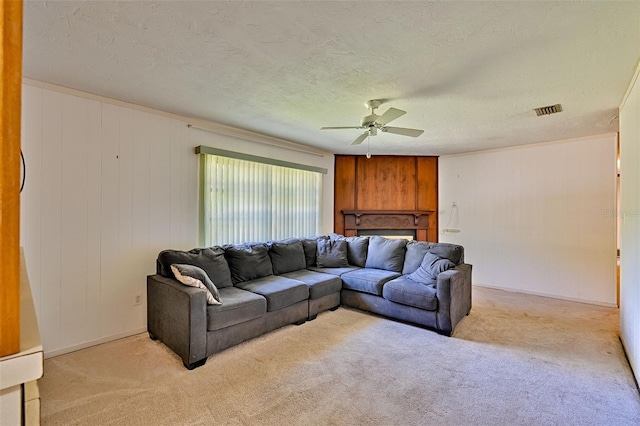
404 223
407 234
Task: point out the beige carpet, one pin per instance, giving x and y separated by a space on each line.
516 360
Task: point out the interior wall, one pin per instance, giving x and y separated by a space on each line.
108 186
538 219
630 224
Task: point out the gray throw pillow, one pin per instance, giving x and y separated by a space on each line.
195 277
386 253
429 269
287 256
211 260
248 261
417 249
414 256
357 250
332 253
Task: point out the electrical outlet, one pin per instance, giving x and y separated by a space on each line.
455 204
137 299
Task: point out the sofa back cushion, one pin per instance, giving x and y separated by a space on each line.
386 253
248 261
357 248
211 260
332 253
417 249
287 256
453 252
310 246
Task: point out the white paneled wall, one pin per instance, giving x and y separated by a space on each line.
107 187
98 204
538 219
630 225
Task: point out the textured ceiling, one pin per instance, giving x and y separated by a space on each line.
468 73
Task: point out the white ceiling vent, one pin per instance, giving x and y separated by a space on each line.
547 110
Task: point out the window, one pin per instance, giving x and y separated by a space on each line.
247 201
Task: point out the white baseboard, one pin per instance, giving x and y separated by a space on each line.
626 354
552 296
58 352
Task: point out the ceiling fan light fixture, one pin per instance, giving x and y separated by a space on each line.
369 120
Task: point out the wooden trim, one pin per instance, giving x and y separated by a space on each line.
416 167
344 189
417 220
355 183
413 212
10 91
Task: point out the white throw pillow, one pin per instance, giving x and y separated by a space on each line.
193 276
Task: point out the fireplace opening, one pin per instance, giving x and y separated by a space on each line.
407 234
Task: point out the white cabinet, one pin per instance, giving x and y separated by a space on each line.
19 396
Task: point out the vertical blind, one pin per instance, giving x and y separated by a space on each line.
251 201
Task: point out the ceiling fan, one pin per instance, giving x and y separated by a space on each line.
372 122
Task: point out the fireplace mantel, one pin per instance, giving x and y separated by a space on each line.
417 220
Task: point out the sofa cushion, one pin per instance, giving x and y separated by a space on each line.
332 253
211 260
429 269
417 249
334 271
310 246
319 284
239 306
287 256
367 280
195 277
248 261
386 253
279 291
357 250
407 292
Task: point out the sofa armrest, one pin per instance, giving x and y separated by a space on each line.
453 289
177 316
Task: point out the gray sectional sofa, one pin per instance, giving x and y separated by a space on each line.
265 286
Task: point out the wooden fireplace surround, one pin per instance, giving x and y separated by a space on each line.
386 192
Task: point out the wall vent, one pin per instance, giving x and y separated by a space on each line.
547 110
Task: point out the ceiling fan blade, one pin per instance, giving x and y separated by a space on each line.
360 139
334 128
414 133
390 115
